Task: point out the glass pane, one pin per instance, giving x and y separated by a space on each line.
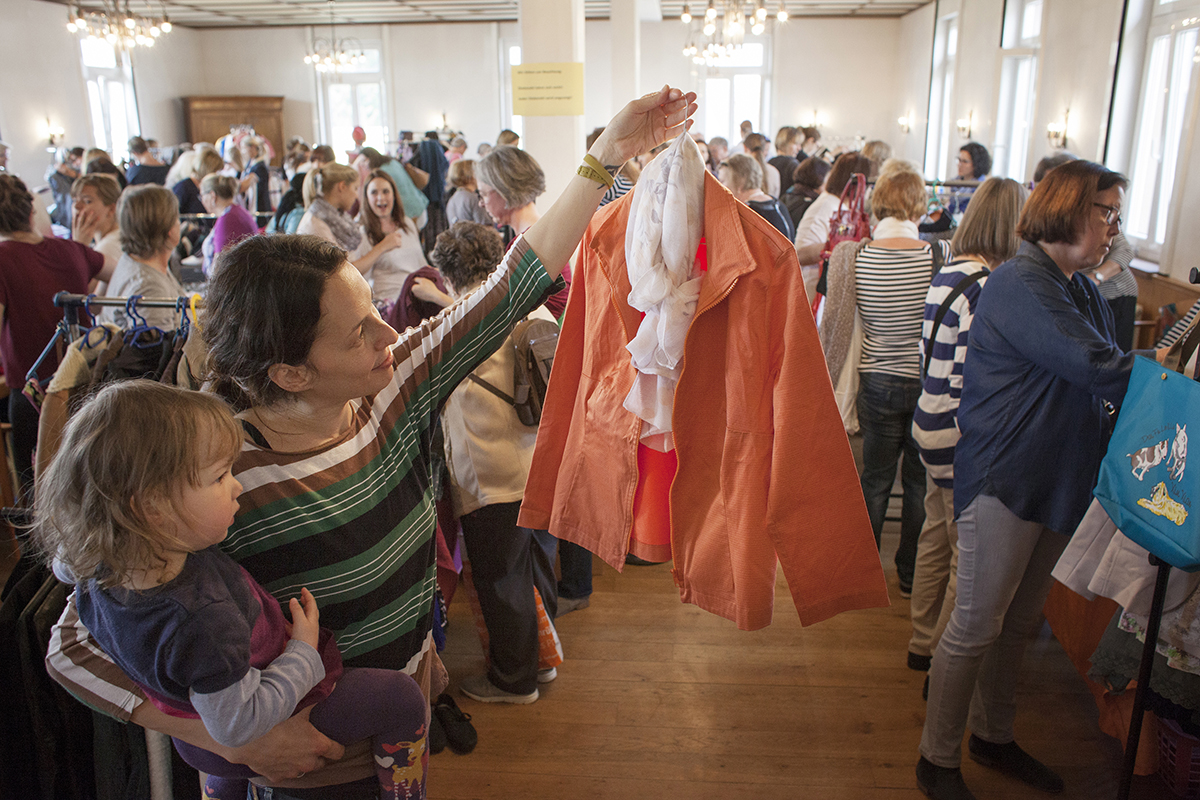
514 56
97 53
748 55
370 114
1181 74
747 99
1023 102
341 118
96 107
1146 152
716 108
1031 22
118 121
369 64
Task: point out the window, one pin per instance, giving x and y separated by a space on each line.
354 98
112 105
516 122
942 125
733 91
1166 86
1020 40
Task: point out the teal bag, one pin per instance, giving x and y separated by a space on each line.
1144 482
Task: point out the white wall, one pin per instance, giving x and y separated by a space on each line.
39 83
914 52
846 69
162 76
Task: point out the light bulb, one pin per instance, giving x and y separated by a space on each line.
129 23
155 31
782 14
71 26
757 28
166 25
686 16
709 29
710 13
760 13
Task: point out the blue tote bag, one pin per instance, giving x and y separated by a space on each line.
1145 484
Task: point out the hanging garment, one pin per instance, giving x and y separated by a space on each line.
765 470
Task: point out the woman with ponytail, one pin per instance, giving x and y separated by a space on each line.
329 193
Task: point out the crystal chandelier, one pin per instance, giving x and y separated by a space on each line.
332 54
118 26
722 28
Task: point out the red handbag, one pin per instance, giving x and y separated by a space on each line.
850 223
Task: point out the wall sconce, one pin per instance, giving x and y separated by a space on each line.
53 134
965 126
814 119
905 124
1056 132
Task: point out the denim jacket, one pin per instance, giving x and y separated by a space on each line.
1041 361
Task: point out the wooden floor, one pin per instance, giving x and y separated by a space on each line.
660 700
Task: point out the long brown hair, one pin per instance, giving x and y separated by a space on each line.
370 219
756 147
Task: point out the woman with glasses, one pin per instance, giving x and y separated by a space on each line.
1042 372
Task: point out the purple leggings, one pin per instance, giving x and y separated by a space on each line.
383 704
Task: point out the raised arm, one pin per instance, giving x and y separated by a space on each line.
639 127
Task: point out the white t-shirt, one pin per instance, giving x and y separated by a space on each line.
390 270
814 225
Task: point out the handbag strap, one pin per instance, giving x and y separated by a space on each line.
506 398
1180 353
944 309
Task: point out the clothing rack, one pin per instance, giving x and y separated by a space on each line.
196 217
72 303
954 184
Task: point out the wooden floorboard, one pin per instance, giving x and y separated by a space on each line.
659 700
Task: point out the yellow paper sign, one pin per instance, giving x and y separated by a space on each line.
548 90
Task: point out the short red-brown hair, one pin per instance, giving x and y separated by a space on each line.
1060 204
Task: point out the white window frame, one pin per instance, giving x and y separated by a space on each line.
718 70
98 82
942 124
353 78
1015 47
1167 20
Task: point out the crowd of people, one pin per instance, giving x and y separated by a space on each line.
989 338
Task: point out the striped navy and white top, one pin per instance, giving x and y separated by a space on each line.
935 421
891 287
1175 331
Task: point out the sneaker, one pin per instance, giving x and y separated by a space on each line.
568 604
941 783
456 726
437 736
547 675
1012 760
479 688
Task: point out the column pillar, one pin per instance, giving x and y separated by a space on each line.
626 23
551 32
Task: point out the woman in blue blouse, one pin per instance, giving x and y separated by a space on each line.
1042 366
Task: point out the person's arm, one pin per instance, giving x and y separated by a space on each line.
391 241
640 126
427 290
77 663
242 712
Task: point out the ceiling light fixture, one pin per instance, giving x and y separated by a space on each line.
334 54
724 27
119 26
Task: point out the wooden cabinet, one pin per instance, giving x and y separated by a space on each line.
207 119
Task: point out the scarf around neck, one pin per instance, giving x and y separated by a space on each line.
666 222
895 228
346 234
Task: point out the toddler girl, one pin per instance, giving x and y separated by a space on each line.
134 504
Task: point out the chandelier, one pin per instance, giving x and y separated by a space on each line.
722 28
332 54
118 26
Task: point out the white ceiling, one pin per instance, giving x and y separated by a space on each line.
255 13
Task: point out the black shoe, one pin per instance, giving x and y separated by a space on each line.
437 736
460 733
919 663
941 783
1012 760
633 561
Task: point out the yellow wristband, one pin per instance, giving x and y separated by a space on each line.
593 170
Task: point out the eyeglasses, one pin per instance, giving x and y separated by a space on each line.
1112 214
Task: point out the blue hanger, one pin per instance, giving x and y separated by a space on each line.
133 335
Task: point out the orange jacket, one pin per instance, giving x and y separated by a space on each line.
765 468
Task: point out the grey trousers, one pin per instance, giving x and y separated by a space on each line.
935 580
1004 566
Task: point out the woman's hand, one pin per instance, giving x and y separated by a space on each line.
391 241
306 624
427 290
84 222
289 750
644 124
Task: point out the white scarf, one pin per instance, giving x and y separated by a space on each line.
666 222
896 228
